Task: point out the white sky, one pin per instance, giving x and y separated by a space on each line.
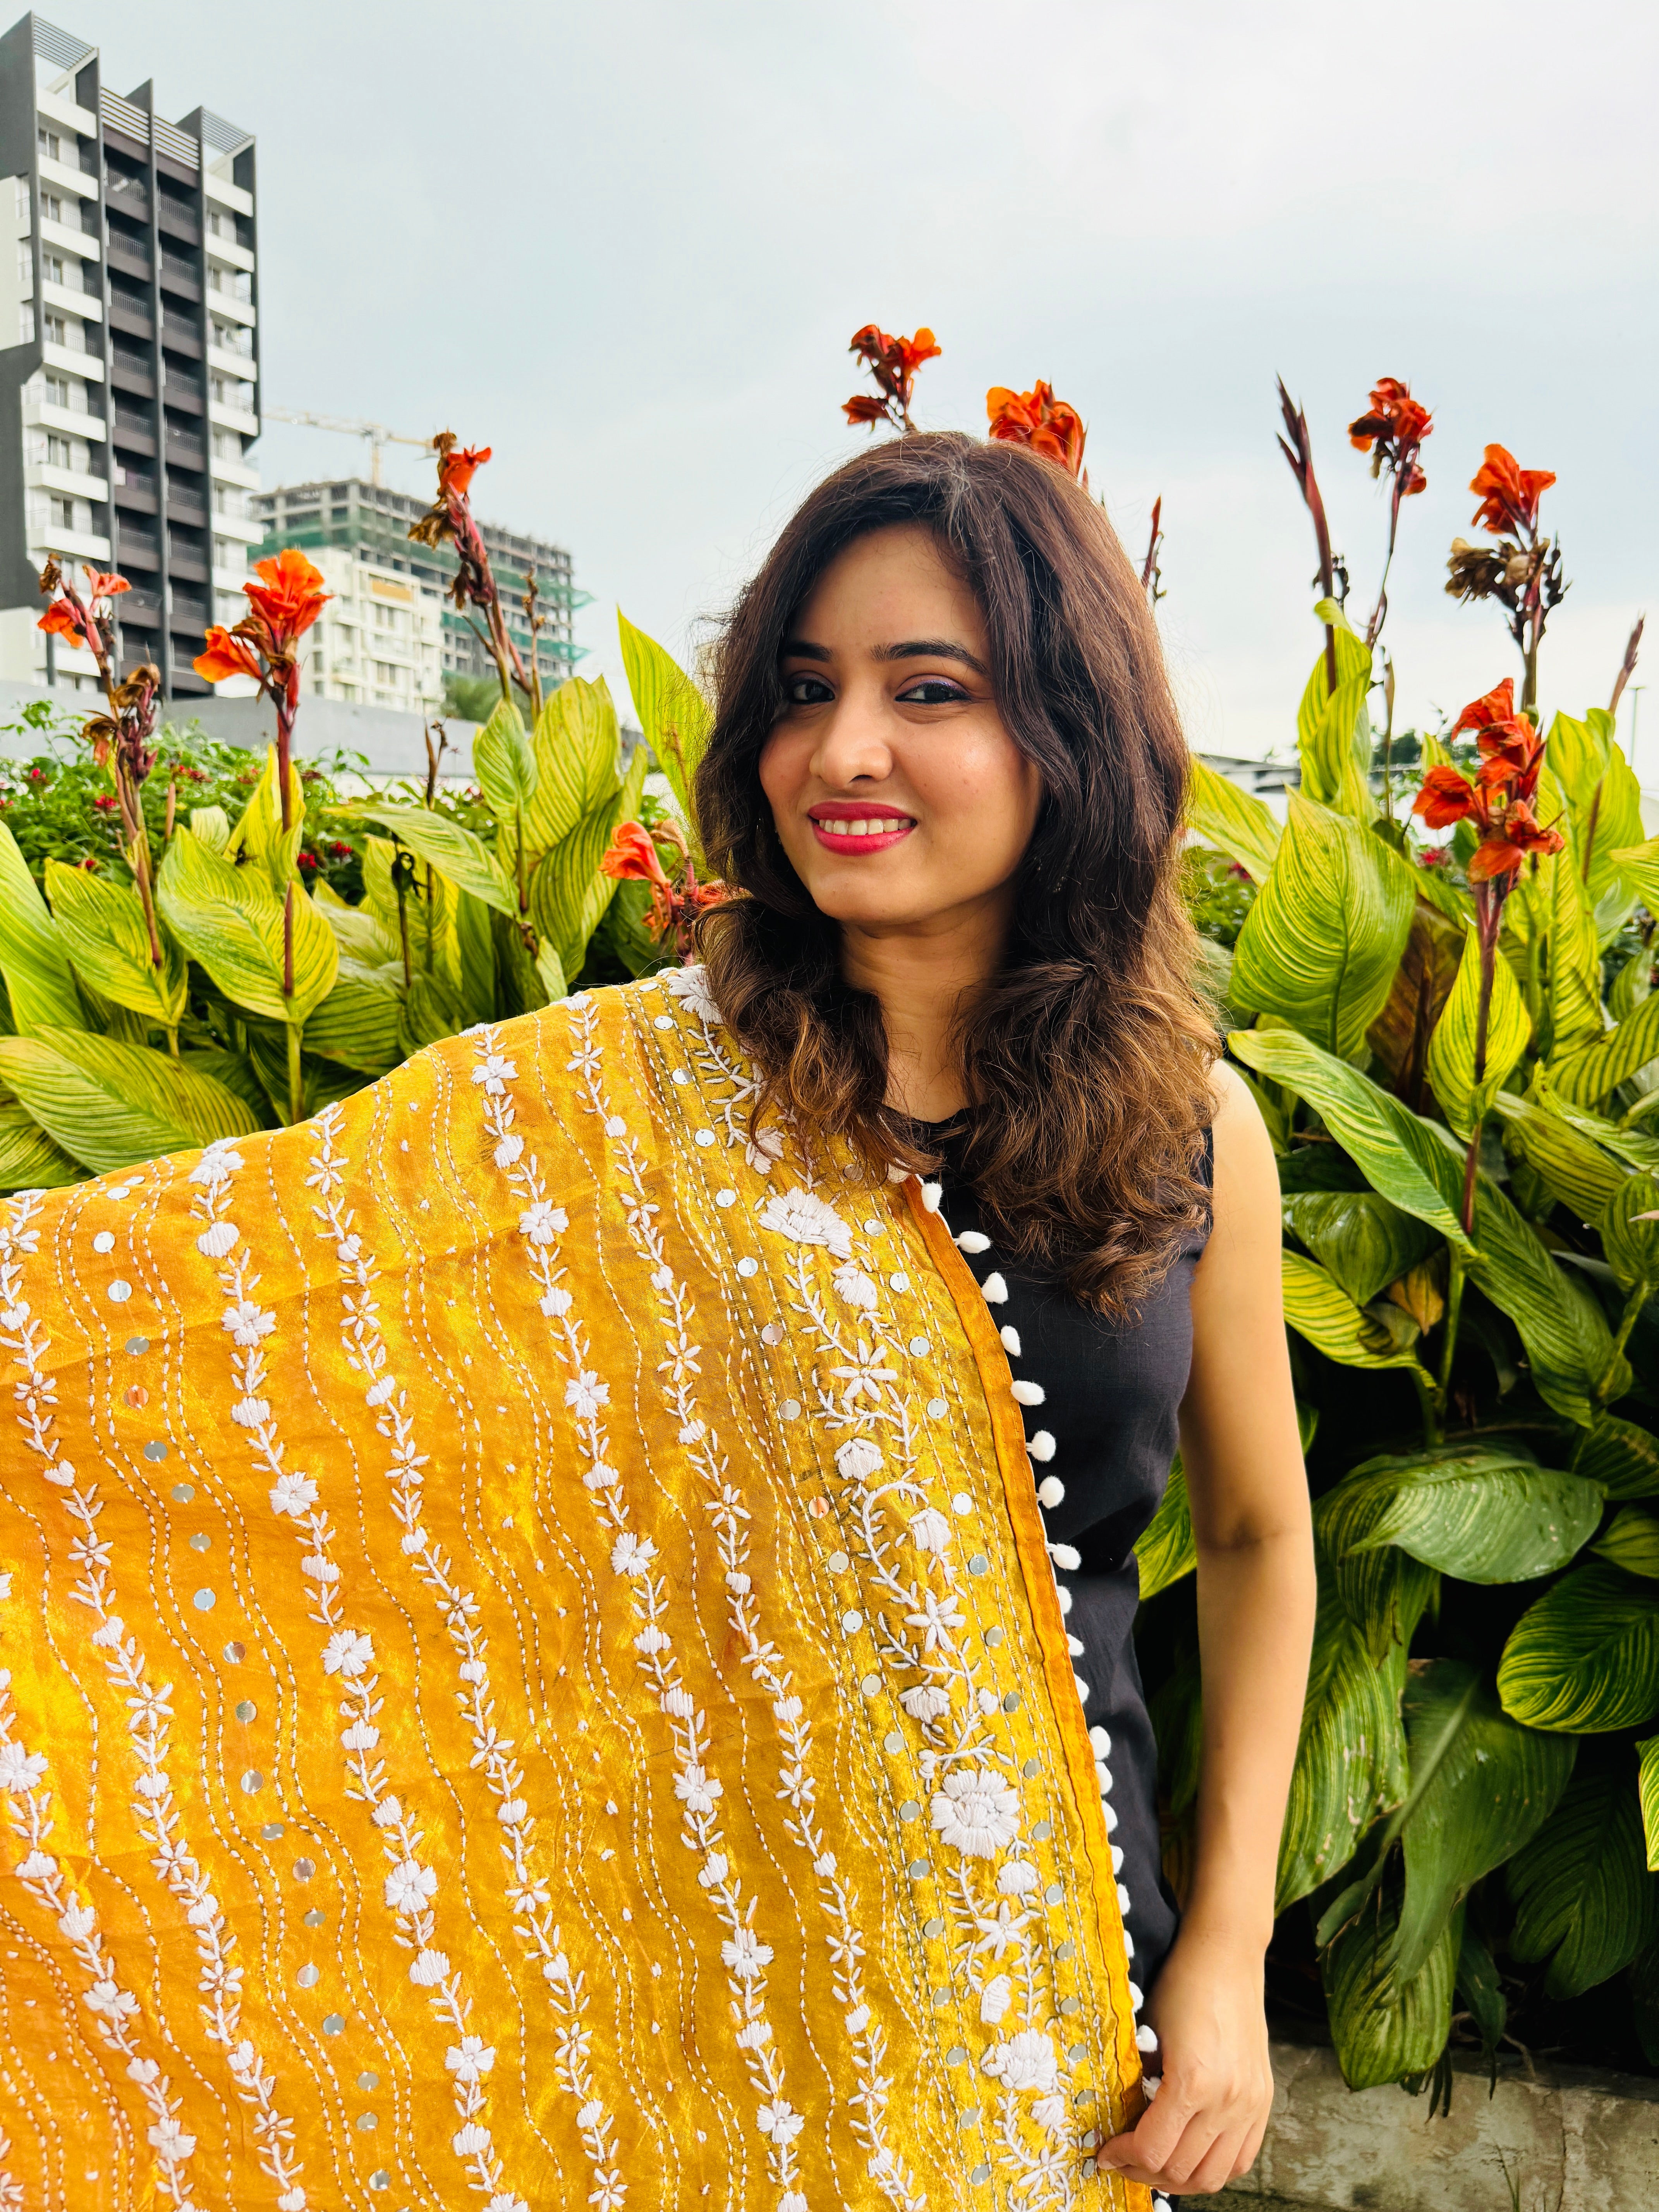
626 244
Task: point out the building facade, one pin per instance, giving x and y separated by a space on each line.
389 636
129 359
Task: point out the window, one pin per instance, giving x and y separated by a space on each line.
56 329
51 269
227 445
52 146
230 553
21 189
68 515
25 265
26 322
52 211
230 499
60 451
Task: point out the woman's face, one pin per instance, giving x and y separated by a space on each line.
897 792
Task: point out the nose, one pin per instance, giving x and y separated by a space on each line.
852 747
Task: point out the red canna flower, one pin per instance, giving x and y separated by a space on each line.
631 856
1509 494
1396 426
456 470
103 584
1446 796
1508 841
893 362
1511 747
1036 418
65 621
226 655
286 601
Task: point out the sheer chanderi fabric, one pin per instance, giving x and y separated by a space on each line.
532 1674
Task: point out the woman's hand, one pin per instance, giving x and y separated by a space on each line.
1205 2126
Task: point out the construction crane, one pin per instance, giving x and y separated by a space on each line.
376 433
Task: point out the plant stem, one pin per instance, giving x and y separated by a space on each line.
1388 730
1425 1399
1488 911
1633 1305
288 944
1590 829
400 880
296 1094
1449 1348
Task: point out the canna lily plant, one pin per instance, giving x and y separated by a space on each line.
1036 418
893 363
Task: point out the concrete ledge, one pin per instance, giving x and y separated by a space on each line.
1570 2140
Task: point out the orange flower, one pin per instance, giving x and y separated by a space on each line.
1396 425
1036 418
1509 494
102 586
1446 796
893 362
225 655
62 618
288 600
864 407
457 470
1508 841
631 856
1510 746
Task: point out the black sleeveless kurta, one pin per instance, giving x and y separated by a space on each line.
1100 1425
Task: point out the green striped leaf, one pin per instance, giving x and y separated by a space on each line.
1575 979
1451 1047
1482 1785
1586 1656
260 836
34 956
111 1105
1399 1155
1572 1169
211 825
1568 1343
231 921
1639 865
568 894
1165 1551
362 936
1333 729
1622 1458
358 1022
578 753
1648 1789
1604 800
1630 1233
1624 1138
450 846
1385 2028
1583 1895
102 927
28 1159
1325 934
1318 1308
1382 1589
1233 821
1632 1543
504 762
673 713
1586 1077
1365 1241
1487 1513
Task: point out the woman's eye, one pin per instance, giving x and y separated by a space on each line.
932 691
805 690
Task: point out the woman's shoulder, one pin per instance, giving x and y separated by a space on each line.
1244 1171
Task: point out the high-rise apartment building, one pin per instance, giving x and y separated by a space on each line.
129 358
388 637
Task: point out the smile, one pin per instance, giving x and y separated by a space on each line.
863 833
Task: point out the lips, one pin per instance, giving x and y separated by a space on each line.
852 829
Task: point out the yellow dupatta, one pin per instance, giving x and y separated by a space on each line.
533 1676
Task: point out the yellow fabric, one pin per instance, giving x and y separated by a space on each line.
533 1676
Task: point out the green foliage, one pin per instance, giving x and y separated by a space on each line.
288 968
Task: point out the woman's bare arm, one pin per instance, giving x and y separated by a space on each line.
1252 1527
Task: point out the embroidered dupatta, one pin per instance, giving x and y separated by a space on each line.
532 1672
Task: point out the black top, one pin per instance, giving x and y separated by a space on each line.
1100 1439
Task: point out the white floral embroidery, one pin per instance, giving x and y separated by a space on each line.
155 1811
806 1218
976 1814
689 984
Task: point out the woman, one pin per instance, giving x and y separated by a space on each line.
535 1671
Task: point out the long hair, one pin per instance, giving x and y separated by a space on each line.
1085 1056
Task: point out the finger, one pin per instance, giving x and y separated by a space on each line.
1217 2166
1251 2150
1154 2135
1166 2168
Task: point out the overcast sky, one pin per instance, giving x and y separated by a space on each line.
625 244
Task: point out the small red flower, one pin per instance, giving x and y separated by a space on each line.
105 802
1509 494
893 362
457 467
226 655
309 860
1036 418
339 851
1396 425
1446 796
631 856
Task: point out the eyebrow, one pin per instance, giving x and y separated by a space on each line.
912 648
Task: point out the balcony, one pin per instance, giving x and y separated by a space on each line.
185 452
127 196
174 222
134 428
65 179
133 372
136 496
220 248
69 361
180 275
234 309
227 195
182 388
124 255
69 300
76 545
140 546
140 605
226 417
125 316
69 419
83 243
187 561
49 476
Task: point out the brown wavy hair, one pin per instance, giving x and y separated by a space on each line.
1085 1056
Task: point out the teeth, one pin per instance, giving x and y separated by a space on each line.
872 828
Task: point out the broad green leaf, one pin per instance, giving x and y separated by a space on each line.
1382 1589
474 967
362 936
111 1105
1648 1787
1399 1155
1639 865
1622 1458
1568 1343
1318 1308
429 1013
211 825
450 846
569 894
102 925
34 955
673 713
504 762
358 1022
259 834
550 968
1452 1046
1487 1513
237 1073
1624 1138
323 1082
28 1159
1351 1761
1491 1785
1233 821
232 921
1582 1895
1632 1543
1572 1169
1574 962
1332 727
1480 1988
1165 1551
1365 1241
1586 1077
1386 2028
1632 985
578 749
1604 801
1585 1658
1321 942
1630 1233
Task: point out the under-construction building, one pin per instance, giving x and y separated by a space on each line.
129 359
